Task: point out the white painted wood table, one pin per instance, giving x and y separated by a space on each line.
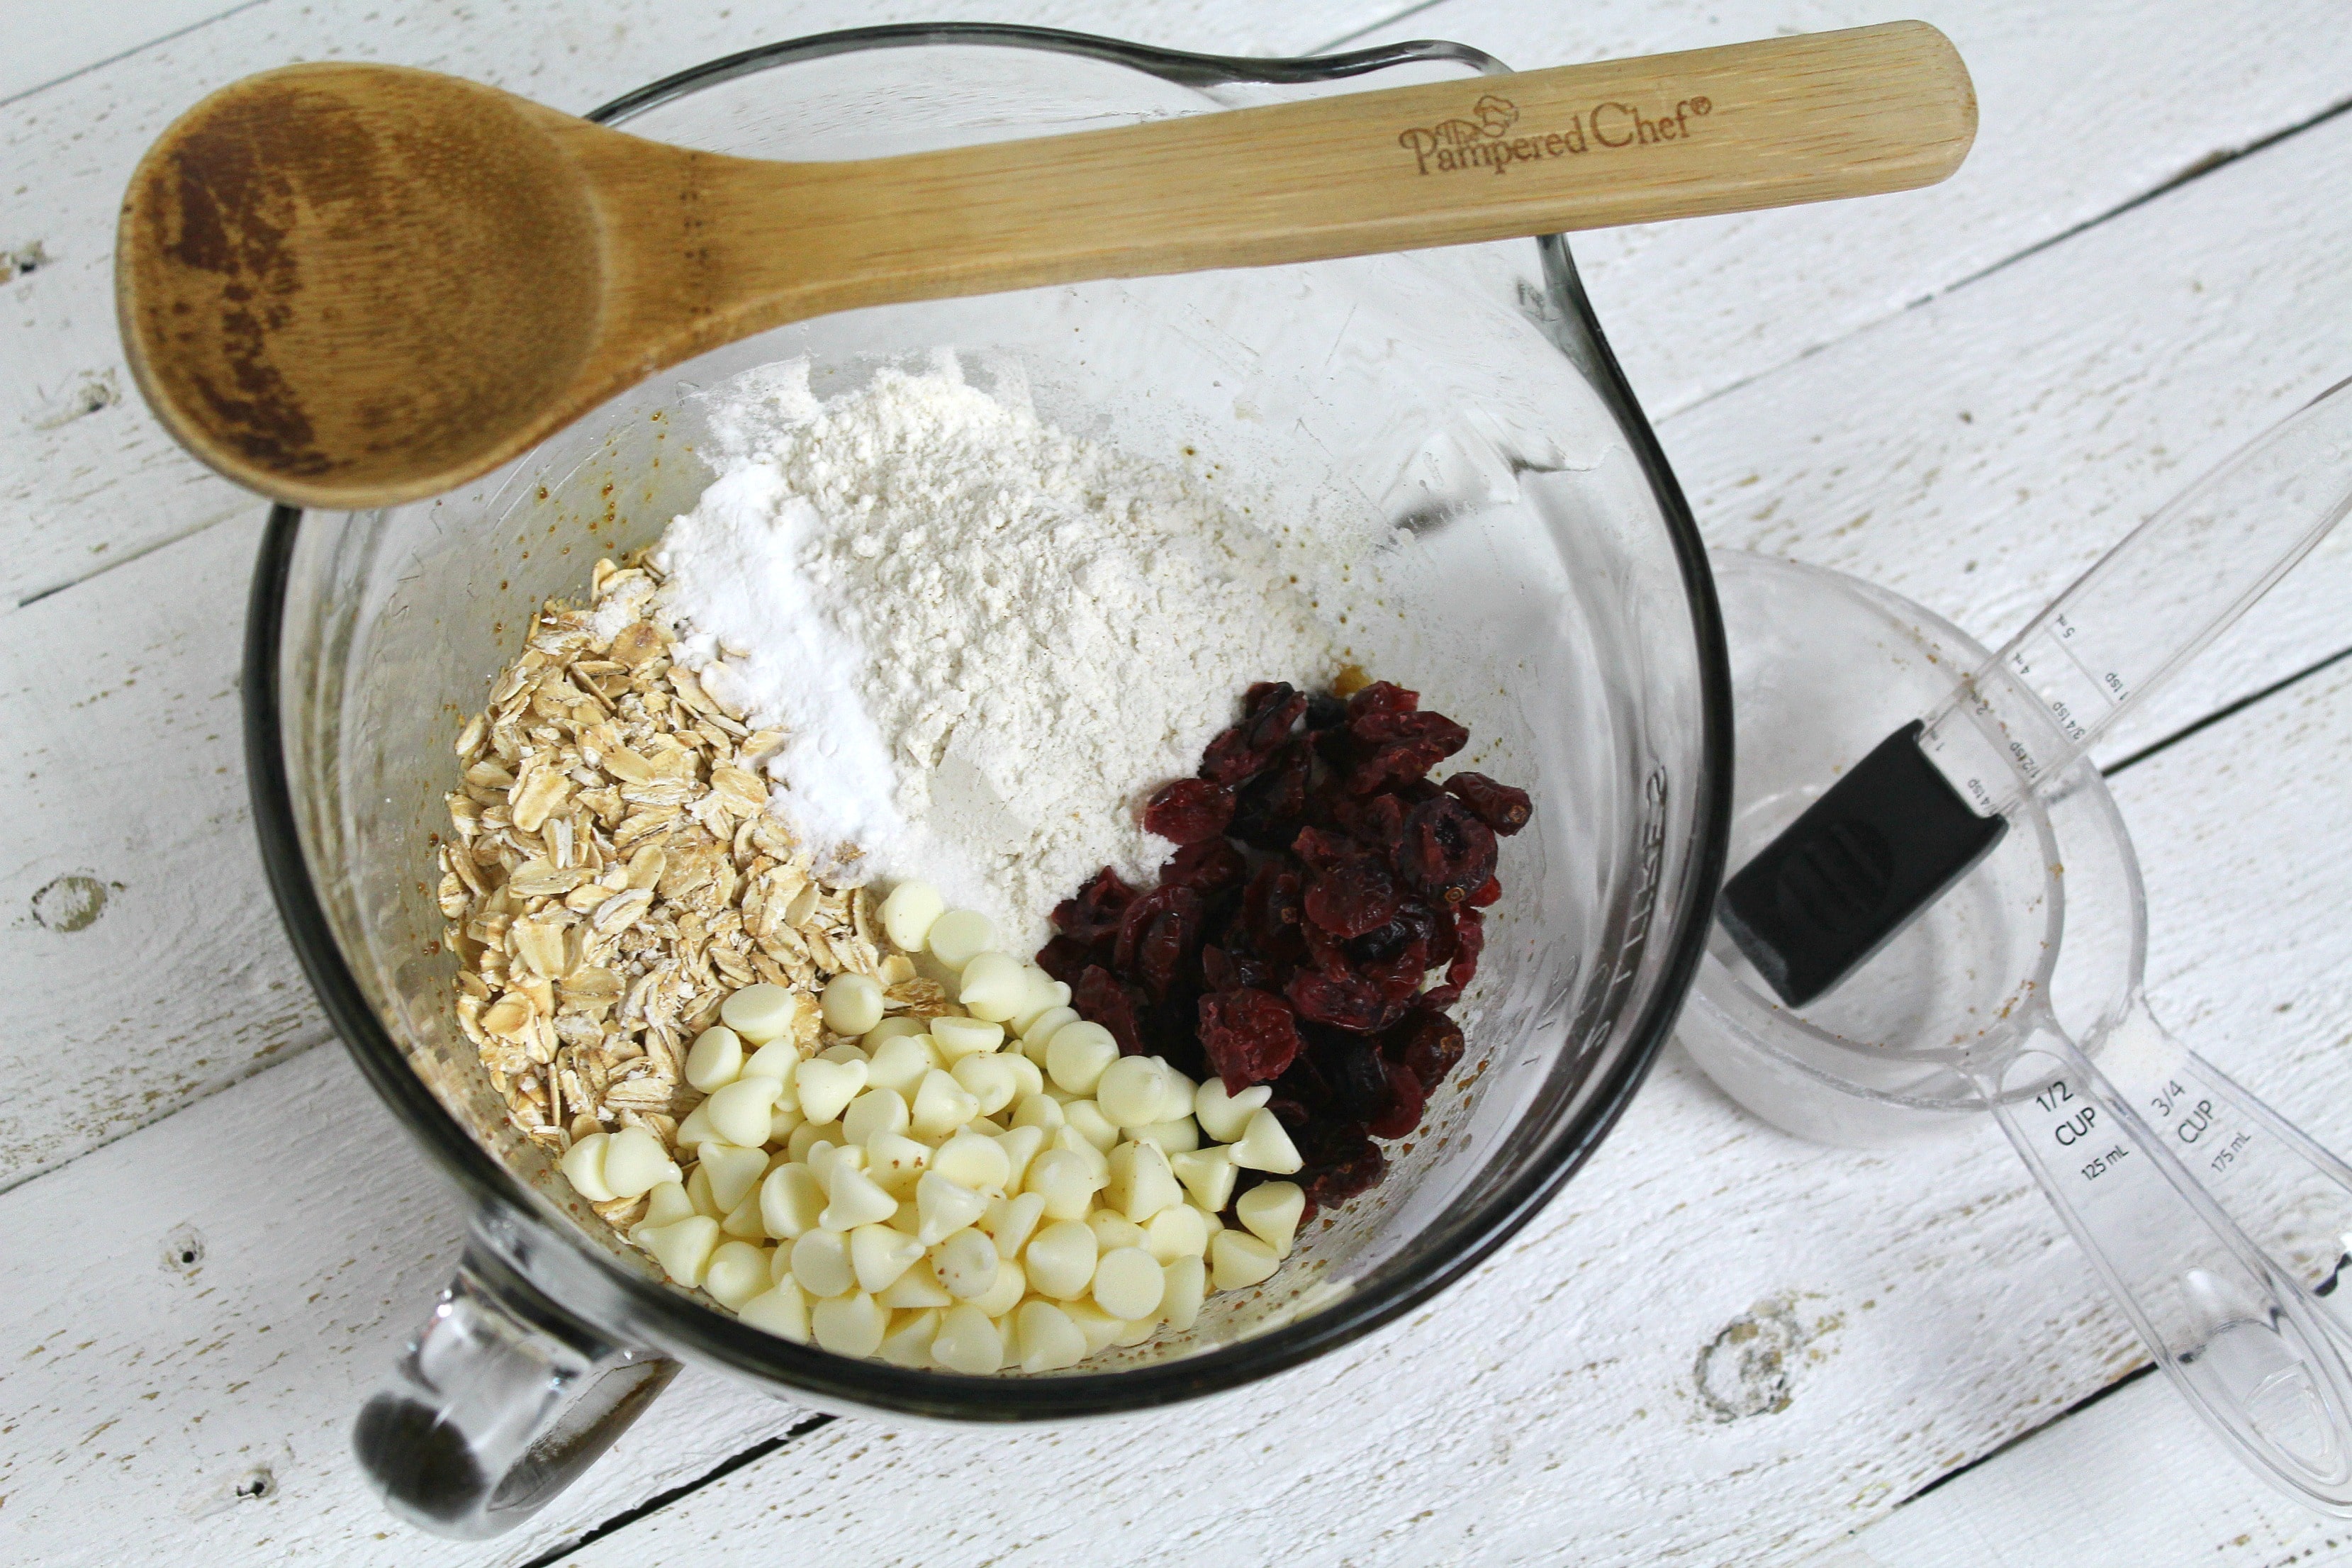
215 1238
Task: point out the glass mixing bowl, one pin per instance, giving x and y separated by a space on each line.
1551 591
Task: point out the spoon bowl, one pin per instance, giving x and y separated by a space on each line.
275 236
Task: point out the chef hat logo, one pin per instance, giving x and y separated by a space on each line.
1496 115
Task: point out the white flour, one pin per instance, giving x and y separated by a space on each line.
987 640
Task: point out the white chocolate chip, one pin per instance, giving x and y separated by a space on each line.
636 1162
879 1255
1028 1077
821 1263
826 1088
1064 1181
1177 1231
960 1037
1112 1232
1271 1210
974 1160
1142 1182
856 1200
583 1167
907 913
1042 1111
1049 1340
716 1059
698 1187
1061 1260
1128 1284
918 1287
1040 1028
1188 1286
1131 1091
852 1003
968 1343
1264 1145
1013 1221
1179 1137
942 1105
908 1341
778 1060
667 1202
1011 1285
901 1062
1077 1055
959 936
1097 1129
696 1128
850 1325
789 1202
875 1112
683 1248
1238 1260
896 1163
782 1310
760 1013
737 1272
988 1080
1208 1174
966 1264
1097 1327
1224 1117
944 1209
809 1134
734 1173
1019 1145
781 1121
890 1029
993 986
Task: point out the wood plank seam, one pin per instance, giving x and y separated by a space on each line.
2226 711
140 48
659 1500
2211 164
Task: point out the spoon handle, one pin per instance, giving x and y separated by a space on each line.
1769 123
2240 1335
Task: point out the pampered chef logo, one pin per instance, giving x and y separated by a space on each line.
1484 141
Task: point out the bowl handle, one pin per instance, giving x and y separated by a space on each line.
499 1402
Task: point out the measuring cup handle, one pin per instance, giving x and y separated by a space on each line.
498 1403
2237 1334
2287 1192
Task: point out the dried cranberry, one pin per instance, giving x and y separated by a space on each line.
1342 1001
1094 911
1243 751
1469 941
1352 898
1228 969
1064 958
1325 711
1439 997
1447 853
1204 867
1375 820
1148 913
1359 1079
1486 895
1249 1037
1428 1043
1356 1165
1377 706
1406 1098
1421 742
1189 810
1270 808
1499 805
1101 997
1271 908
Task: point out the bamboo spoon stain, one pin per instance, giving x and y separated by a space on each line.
352 286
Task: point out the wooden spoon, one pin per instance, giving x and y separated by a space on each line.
350 286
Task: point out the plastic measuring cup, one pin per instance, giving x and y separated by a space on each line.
2218 1227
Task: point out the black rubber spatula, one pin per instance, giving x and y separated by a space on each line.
1934 797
